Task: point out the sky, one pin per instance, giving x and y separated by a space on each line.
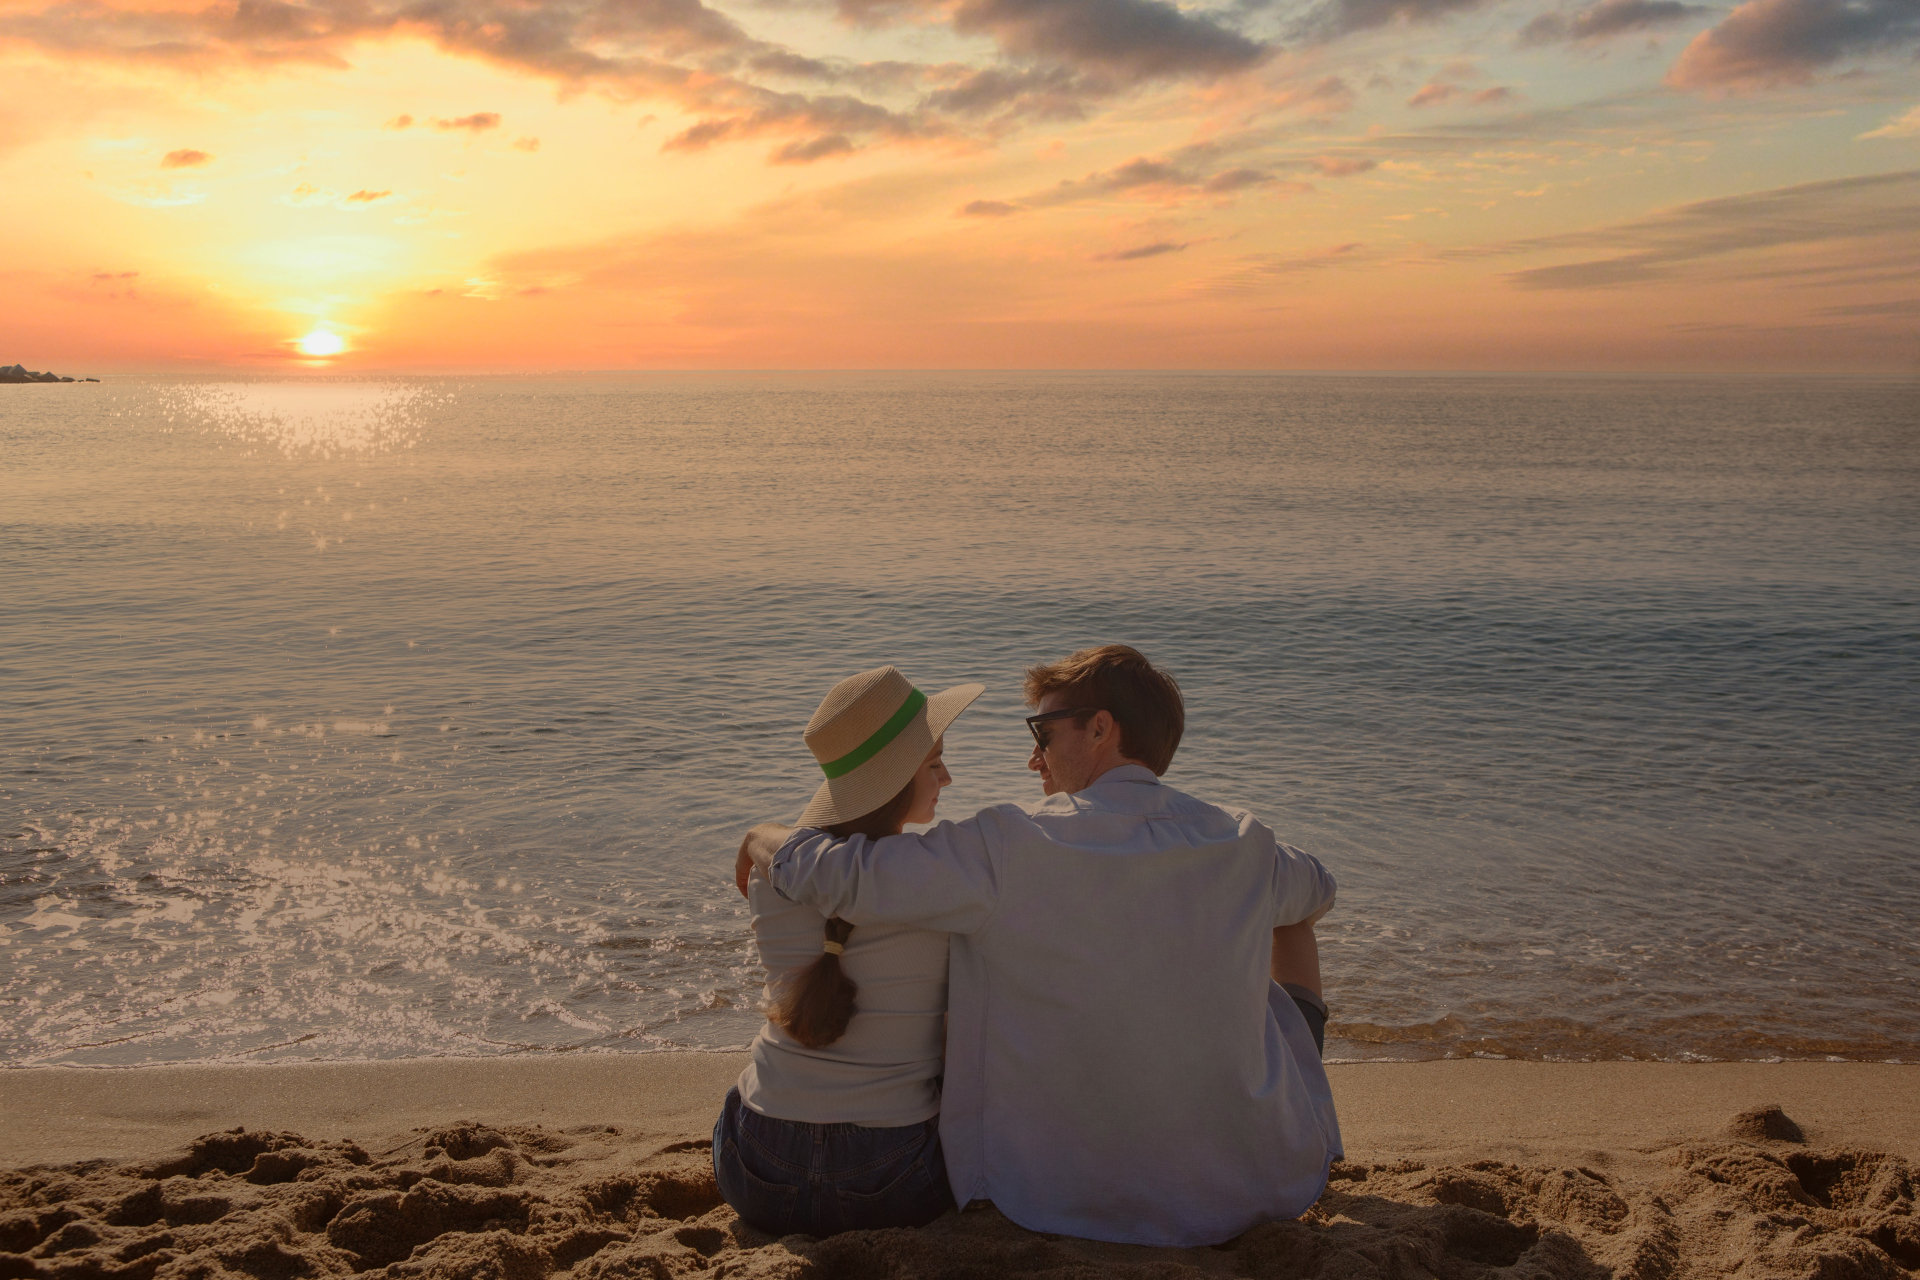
507 185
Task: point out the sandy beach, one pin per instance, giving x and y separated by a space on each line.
597 1166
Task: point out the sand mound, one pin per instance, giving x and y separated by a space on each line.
470 1202
1765 1124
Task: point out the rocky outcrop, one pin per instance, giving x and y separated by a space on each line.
18 373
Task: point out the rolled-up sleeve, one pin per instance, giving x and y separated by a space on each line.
943 879
1304 889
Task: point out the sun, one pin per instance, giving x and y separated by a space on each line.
321 343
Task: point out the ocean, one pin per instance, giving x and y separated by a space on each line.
411 717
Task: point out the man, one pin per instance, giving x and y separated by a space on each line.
1119 1065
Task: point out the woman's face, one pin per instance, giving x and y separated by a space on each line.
927 782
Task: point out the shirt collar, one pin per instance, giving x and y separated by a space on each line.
1126 773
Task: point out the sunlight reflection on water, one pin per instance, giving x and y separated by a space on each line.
324 419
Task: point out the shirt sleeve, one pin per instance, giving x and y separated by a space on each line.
1304 889
943 879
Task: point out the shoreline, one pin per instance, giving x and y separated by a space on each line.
597 1167
57 1114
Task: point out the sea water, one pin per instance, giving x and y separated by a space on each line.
376 719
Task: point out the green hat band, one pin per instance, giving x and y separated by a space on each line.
874 745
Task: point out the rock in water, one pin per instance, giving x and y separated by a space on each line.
20 373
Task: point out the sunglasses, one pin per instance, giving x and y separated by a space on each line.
1040 736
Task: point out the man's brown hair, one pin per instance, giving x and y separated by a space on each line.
1116 678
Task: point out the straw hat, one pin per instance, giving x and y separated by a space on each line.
869 735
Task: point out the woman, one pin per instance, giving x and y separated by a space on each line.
834 1125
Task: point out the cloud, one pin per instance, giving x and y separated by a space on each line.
528 145
870 13
1259 272
186 158
1144 251
671 27
1031 93
623 44
1056 56
261 30
1144 171
1133 39
1763 44
700 136
1605 20
1898 307
1906 126
306 195
1343 166
478 122
1327 96
1327 257
1345 17
829 124
794 66
1169 180
811 149
1667 244
1236 180
1439 91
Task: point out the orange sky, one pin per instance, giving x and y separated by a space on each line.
601 184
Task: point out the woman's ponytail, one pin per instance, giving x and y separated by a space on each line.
816 1004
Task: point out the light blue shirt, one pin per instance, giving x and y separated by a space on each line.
1119 1064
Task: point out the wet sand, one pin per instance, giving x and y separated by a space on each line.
596 1166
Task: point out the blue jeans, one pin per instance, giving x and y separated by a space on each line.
1314 1010
787 1176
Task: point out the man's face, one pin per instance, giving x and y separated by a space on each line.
1064 764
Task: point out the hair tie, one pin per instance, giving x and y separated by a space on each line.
833 948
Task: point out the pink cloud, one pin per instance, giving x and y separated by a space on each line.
478 122
1764 44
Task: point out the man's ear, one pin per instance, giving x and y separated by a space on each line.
1103 724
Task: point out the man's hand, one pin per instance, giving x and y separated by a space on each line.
757 850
